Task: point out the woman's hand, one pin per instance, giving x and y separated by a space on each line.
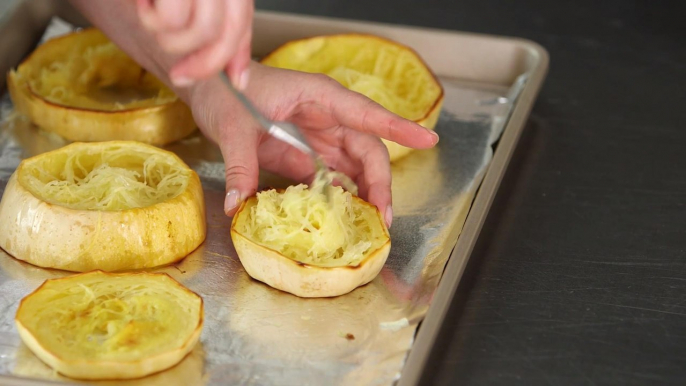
343 126
207 35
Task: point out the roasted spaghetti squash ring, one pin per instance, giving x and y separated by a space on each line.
282 263
84 88
109 205
101 325
190 371
385 71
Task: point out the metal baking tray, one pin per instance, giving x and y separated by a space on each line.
491 84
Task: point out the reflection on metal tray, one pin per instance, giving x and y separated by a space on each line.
257 335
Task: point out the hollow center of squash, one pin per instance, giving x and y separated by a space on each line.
104 177
300 224
110 318
88 71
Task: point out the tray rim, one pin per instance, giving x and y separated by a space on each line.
427 332
523 42
430 325
533 49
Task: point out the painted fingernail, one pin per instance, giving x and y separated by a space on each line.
233 198
243 80
388 217
181 81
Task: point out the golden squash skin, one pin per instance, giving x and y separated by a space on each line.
55 236
307 280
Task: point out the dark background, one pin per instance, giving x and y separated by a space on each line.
580 275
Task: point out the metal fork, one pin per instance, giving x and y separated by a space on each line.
291 134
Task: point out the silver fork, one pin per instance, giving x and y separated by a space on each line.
291 134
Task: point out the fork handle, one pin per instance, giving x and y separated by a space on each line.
265 123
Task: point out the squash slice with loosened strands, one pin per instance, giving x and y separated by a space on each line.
84 88
100 325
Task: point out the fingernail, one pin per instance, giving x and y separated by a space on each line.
243 80
436 138
181 81
388 217
233 198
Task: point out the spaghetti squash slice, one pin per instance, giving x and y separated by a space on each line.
385 71
110 326
84 88
111 205
297 241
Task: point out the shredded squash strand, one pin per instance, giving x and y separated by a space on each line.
389 82
111 319
99 77
302 225
114 178
390 75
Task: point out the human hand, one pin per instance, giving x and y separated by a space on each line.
341 125
207 35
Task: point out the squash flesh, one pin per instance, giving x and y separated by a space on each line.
105 317
105 177
302 225
384 71
94 74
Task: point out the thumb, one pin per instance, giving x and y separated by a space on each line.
241 166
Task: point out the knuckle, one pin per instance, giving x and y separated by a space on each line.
234 172
390 132
364 119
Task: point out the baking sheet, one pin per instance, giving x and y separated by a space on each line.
257 335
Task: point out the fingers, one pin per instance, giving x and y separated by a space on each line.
207 35
241 14
175 14
362 157
230 49
221 119
375 181
360 113
164 15
238 67
147 15
241 168
206 24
